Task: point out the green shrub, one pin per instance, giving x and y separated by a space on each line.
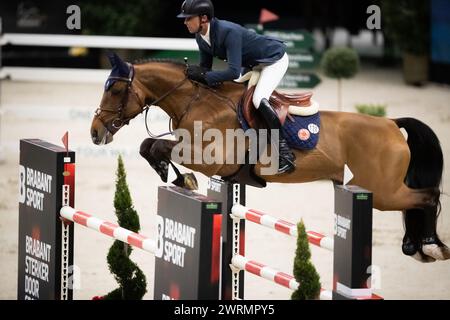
340 62
378 110
131 279
305 272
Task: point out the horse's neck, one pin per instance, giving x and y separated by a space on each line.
159 79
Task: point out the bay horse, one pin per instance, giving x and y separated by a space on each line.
403 174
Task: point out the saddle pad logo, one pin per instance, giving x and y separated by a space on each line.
313 128
303 134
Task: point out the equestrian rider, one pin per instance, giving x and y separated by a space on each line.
241 48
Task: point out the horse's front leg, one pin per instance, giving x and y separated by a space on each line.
158 152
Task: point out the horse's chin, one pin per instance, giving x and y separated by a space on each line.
107 138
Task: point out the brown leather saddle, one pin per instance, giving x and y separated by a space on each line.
279 101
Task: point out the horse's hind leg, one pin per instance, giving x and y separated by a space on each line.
420 209
421 240
398 196
432 246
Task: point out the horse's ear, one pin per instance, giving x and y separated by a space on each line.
113 58
119 67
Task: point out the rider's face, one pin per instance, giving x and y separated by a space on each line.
192 23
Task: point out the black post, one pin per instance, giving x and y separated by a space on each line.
47 182
2 150
352 243
187 259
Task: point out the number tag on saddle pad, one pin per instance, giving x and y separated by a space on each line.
302 132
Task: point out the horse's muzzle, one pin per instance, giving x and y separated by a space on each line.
101 138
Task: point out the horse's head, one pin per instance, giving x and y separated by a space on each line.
122 101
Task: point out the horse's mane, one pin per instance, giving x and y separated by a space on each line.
180 64
175 62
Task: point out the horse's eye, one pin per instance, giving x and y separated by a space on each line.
115 91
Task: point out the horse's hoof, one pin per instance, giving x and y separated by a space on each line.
419 256
409 248
436 252
190 181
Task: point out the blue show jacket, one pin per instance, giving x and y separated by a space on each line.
239 47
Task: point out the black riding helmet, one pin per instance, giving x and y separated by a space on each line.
191 8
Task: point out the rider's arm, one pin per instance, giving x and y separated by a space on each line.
206 60
233 43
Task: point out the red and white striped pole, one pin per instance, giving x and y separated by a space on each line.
110 229
264 219
268 273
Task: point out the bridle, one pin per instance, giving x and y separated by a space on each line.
121 120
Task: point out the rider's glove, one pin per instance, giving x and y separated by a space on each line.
197 73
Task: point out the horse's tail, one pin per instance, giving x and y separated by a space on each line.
424 172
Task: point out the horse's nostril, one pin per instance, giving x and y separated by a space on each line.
94 134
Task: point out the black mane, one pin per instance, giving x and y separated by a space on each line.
175 62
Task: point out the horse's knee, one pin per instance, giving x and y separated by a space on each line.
161 149
145 147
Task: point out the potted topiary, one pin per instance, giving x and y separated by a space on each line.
304 270
340 63
407 23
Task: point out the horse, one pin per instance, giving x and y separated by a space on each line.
404 174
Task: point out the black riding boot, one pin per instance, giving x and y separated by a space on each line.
286 156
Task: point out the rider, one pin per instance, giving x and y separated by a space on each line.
241 48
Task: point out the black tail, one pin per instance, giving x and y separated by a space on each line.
424 172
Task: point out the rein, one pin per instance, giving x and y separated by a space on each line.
147 107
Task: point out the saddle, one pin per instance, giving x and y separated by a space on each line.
284 104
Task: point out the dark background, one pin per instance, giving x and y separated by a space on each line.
307 14
157 18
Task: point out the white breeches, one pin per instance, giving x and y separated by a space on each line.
269 79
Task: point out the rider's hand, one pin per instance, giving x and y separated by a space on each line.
197 73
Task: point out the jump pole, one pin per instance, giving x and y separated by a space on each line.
280 225
110 229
